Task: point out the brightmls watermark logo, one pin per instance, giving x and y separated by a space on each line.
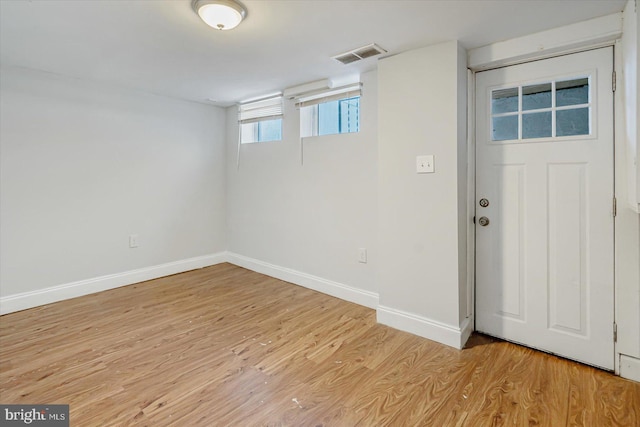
34 415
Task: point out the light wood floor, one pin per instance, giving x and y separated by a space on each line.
224 346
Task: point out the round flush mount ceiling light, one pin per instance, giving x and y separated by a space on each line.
220 14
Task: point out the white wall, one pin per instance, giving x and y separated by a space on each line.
422 217
630 78
83 166
304 222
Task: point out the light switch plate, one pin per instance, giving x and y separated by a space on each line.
424 164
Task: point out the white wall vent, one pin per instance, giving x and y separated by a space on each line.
359 53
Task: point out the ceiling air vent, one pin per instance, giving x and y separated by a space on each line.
360 53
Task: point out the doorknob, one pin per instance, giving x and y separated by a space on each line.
484 221
484 203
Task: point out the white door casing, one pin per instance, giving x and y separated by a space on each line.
544 263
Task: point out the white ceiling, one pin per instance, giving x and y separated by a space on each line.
161 46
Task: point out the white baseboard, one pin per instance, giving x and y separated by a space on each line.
421 326
629 368
427 328
338 290
23 301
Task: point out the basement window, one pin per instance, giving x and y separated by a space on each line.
260 121
328 113
263 131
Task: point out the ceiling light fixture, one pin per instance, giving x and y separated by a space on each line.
220 14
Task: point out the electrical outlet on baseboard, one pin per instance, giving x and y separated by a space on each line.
133 241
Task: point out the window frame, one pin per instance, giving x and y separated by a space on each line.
253 114
591 106
340 121
310 110
253 128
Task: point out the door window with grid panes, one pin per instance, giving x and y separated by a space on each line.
556 109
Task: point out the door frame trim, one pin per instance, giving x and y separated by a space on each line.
598 32
573 38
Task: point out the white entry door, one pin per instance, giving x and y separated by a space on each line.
544 205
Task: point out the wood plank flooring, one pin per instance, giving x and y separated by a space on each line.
223 346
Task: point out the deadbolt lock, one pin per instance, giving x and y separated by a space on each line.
484 203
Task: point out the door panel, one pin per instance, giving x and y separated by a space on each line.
508 239
567 247
544 162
